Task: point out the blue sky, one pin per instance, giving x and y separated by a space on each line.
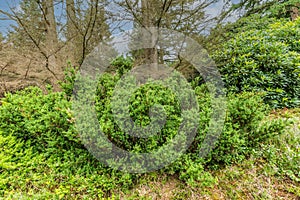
4 5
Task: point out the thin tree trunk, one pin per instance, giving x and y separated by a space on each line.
51 39
150 55
72 33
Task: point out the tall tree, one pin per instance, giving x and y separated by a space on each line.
86 27
36 32
69 33
29 25
186 16
51 39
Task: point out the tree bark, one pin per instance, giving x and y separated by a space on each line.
51 39
150 55
72 33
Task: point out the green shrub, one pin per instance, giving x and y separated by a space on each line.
139 106
43 120
122 64
45 125
11 151
264 60
40 150
67 85
57 176
142 101
245 126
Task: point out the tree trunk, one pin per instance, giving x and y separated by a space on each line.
72 33
150 55
51 40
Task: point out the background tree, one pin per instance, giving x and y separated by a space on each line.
271 8
36 32
51 39
86 27
57 31
186 16
29 24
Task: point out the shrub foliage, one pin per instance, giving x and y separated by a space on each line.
44 124
264 60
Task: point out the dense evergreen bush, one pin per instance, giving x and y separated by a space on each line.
245 126
264 60
122 64
43 120
45 124
67 85
40 150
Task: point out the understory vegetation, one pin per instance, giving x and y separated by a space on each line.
44 150
42 155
